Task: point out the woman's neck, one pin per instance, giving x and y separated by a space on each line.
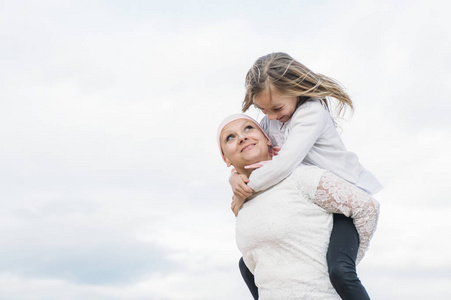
243 171
248 172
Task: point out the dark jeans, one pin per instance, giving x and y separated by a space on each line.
248 278
341 256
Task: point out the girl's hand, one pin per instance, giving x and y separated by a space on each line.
237 203
273 151
239 186
257 165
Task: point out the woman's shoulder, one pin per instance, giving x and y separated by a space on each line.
306 178
306 170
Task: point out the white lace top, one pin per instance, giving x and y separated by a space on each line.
283 232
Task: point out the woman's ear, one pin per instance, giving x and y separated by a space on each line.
268 142
227 161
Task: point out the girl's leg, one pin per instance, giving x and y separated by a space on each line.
341 256
248 278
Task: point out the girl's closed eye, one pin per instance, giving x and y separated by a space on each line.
277 109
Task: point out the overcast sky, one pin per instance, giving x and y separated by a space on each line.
111 183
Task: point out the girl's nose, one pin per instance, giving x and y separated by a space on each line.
272 116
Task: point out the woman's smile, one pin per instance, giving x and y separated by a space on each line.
248 147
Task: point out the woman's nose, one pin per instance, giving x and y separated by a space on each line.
242 138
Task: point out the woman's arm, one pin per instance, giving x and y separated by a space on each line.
307 124
339 196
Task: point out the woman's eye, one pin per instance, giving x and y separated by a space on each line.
249 127
229 137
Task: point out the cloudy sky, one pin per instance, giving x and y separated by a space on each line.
111 184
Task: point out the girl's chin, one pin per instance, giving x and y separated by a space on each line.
284 119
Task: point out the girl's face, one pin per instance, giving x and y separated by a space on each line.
276 106
243 143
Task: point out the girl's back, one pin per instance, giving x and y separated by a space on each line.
310 137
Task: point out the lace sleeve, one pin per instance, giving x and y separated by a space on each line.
339 196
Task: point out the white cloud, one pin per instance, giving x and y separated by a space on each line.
109 155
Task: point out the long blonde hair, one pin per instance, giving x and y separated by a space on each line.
287 76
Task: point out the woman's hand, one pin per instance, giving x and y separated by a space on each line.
239 186
237 203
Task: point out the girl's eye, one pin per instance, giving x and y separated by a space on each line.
277 109
229 137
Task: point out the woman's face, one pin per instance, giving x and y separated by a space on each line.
243 143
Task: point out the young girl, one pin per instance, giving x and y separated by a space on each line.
296 103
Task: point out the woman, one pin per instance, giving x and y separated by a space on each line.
284 231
